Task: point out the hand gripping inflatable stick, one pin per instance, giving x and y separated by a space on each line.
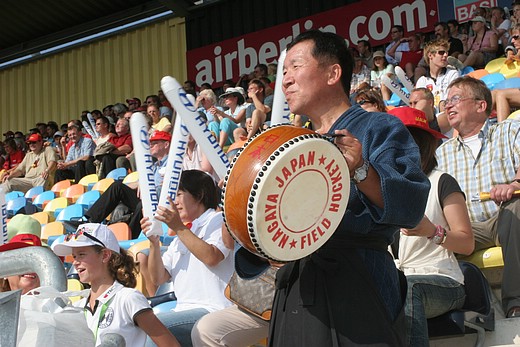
89 130
280 112
145 167
172 176
196 125
92 122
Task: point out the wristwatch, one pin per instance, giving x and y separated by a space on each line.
360 174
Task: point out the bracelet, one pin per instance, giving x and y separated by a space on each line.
440 235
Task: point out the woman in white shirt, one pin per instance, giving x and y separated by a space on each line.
380 69
197 261
113 304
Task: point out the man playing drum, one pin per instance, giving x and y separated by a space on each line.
348 292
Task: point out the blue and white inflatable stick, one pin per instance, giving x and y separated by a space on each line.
3 218
92 122
174 164
89 130
196 125
396 89
146 169
407 83
280 112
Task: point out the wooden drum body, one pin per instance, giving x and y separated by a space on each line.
285 193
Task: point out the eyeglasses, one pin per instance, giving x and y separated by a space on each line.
442 52
455 100
100 123
515 37
82 234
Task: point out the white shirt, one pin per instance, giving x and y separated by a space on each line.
197 285
118 306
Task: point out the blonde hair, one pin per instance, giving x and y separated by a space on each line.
209 94
433 47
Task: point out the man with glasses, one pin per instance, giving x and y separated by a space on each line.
396 33
438 76
37 168
486 158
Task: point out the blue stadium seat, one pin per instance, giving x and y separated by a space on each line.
492 79
117 174
72 212
47 195
16 205
13 195
33 192
88 199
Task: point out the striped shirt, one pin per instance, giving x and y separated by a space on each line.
496 163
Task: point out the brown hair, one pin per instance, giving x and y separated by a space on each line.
122 267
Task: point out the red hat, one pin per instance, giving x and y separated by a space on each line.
161 136
21 241
412 117
34 138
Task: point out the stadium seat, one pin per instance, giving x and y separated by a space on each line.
492 80
495 65
466 70
129 243
16 205
478 74
515 115
121 230
34 192
117 174
89 181
513 82
103 185
53 205
75 286
60 186
510 70
71 212
52 229
40 199
87 199
131 178
73 192
42 217
13 195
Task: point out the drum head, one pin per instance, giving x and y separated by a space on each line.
298 198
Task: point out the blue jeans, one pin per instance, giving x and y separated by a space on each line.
429 296
179 324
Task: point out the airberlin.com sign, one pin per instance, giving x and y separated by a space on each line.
359 21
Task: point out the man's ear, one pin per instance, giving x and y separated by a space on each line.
335 72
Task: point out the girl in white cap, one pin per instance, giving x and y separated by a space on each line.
113 305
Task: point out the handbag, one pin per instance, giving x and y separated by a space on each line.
47 319
254 295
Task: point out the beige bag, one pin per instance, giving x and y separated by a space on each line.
253 295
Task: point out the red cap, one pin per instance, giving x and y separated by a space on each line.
34 138
161 136
412 117
21 241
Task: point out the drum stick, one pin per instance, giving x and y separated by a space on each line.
395 88
196 125
485 196
89 130
403 78
280 112
145 167
92 122
3 218
174 164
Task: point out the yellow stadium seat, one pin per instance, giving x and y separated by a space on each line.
138 247
495 65
103 184
52 229
53 205
515 115
131 179
76 286
510 70
86 181
42 217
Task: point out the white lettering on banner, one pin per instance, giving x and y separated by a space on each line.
464 12
235 57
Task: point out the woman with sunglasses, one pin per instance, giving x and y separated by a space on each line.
439 75
113 305
426 252
197 261
504 99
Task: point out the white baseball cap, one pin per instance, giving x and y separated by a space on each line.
88 234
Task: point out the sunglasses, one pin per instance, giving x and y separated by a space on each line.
515 37
442 52
83 235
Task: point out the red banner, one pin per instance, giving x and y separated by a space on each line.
359 21
464 8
